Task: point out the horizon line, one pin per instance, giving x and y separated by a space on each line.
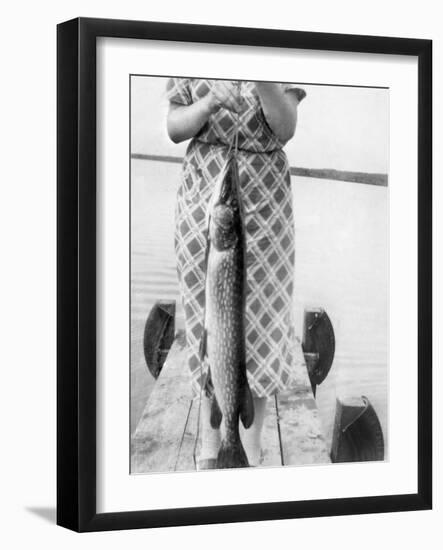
367 178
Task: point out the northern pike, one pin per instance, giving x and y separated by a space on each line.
223 342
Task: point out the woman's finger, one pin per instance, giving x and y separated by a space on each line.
222 95
232 92
227 96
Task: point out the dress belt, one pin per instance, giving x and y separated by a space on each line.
225 146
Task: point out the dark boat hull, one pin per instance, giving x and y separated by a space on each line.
159 335
357 436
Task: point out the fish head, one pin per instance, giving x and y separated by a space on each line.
224 220
225 211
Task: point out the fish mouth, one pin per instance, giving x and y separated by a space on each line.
227 191
224 207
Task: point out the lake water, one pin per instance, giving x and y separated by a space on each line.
341 265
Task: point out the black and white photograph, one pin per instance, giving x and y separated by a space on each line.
259 274
221 273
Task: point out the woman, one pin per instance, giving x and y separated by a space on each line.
264 116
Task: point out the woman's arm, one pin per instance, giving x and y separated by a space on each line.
185 121
279 108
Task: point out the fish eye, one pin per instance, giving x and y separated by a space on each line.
224 216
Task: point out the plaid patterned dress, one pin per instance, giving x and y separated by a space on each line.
267 200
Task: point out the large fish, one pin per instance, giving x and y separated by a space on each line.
223 341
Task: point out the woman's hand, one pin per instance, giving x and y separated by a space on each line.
185 121
225 93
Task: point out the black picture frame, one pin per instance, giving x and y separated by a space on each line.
76 280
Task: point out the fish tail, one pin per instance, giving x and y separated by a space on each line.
232 455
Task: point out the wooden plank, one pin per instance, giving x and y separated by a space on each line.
157 438
270 438
165 437
301 434
185 459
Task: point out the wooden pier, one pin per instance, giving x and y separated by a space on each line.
165 437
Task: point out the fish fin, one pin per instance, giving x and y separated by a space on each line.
247 409
216 414
232 455
203 345
208 385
